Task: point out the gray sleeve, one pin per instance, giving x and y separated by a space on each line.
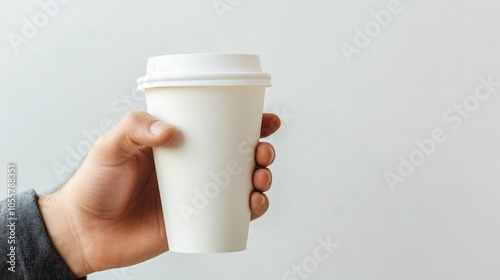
22 230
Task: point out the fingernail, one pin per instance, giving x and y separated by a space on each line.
270 179
262 201
273 153
159 127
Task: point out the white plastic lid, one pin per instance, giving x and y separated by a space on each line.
204 70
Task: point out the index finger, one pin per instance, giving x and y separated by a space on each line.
270 124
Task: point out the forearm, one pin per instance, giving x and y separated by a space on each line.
60 230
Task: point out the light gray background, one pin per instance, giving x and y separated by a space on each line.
344 125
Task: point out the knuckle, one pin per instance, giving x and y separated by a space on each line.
134 117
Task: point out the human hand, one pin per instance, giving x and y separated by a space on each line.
109 213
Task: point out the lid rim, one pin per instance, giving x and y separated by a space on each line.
204 69
205 79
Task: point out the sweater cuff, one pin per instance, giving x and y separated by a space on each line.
37 258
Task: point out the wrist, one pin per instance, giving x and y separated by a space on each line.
62 233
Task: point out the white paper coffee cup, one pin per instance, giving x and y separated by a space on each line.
205 176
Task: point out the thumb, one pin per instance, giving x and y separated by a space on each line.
136 130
